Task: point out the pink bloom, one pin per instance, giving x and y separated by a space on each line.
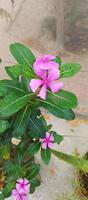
18 196
48 141
49 74
45 62
22 189
23 186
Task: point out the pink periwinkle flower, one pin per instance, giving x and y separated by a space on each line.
48 71
45 62
18 196
47 142
22 189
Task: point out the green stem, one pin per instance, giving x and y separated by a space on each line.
80 163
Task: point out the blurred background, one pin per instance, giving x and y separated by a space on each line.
58 27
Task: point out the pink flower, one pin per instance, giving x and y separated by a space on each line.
48 141
18 196
49 73
22 189
23 186
45 62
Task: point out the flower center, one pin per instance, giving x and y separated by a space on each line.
47 140
22 185
45 81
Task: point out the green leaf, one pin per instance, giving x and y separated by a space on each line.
14 170
69 69
20 122
19 156
8 189
49 127
56 110
58 60
1 196
7 86
79 163
33 148
13 103
15 71
34 171
63 99
36 126
57 138
22 54
35 182
4 125
46 155
27 72
44 122
32 189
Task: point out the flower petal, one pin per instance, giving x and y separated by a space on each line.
48 57
53 74
26 182
44 145
45 63
24 197
15 192
20 180
39 72
19 188
50 145
27 188
51 138
47 134
42 92
35 84
55 86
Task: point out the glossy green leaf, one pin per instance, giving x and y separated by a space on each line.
18 70
8 189
19 156
20 122
13 71
13 102
34 171
56 110
79 163
58 60
4 125
62 98
14 170
57 138
22 54
7 86
32 189
69 69
27 72
46 155
36 126
35 182
33 148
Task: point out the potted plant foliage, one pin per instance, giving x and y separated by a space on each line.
34 83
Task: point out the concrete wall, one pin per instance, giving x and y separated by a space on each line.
38 23
46 26
76 25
